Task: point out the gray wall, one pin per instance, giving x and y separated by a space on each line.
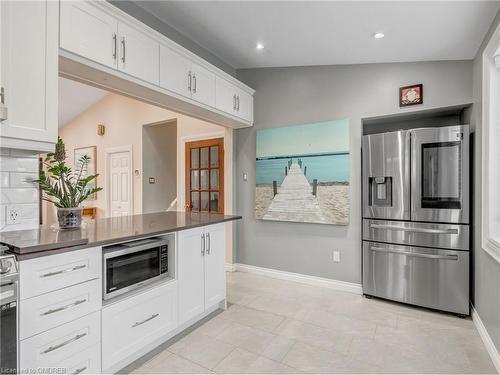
131 8
486 270
159 160
288 96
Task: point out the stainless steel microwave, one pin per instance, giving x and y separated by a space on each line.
131 265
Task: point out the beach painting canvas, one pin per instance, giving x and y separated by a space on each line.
302 173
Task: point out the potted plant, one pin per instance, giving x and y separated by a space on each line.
64 188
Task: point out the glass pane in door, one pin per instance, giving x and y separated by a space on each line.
214 202
204 179
195 158
195 180
204 157
195 201
204 201
214 179
214 156
441 175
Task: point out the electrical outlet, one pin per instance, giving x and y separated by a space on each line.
336 256
12 216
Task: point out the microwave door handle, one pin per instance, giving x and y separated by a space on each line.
415 230
418 255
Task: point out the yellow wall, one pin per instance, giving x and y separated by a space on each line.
124 118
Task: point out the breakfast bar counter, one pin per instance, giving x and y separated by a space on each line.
48 240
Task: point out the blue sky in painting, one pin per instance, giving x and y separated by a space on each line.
320 137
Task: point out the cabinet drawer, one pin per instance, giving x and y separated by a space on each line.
85 362
50 310
46 274
50 348
132 323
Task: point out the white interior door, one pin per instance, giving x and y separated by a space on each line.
119 183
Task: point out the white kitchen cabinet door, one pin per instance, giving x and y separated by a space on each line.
174 72
225 96
244 105
89 32
215 275
203 85
139 54
191 275
29 69
135 322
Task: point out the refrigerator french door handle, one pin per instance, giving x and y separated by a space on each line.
415 230
419 255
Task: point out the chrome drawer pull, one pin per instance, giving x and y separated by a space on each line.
419 255
145 320
415 230
76 303
81 369
58 346
75 268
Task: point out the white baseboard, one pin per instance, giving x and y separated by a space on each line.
300 278
485 336
230 267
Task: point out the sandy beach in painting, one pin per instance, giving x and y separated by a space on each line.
333 199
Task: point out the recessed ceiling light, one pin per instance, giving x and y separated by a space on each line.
259 46
378 35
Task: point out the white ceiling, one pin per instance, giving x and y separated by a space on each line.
74 98
297 33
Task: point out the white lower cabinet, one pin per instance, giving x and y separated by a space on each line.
49 273
133 323
85 362
38 314
201 264
51 348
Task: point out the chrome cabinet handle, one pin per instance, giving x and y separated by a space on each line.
145 320
419 255
194 83
208 241
189 81
203 244
81 369
52 311
123 50
64 343
238 103
3 108
75 268
114 46
415 230
234 102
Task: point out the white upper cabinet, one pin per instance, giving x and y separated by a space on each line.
98 31
203 85
139 54
233 100
29 70
174 71
180 75
89 32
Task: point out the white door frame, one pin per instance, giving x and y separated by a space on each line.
107 154
192 138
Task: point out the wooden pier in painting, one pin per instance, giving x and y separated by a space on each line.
295 200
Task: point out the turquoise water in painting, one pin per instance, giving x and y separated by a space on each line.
324 168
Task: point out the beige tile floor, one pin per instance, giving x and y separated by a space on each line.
275 326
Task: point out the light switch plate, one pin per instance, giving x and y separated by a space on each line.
245 176
336 256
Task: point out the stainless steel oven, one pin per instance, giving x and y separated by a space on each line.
131 265
440 174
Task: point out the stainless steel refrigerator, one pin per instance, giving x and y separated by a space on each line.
416 217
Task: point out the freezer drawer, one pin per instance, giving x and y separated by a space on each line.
443 236
437 279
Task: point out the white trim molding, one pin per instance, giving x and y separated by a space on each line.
488 342
488 118
230 267
300 278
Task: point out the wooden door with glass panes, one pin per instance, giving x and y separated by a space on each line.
205 176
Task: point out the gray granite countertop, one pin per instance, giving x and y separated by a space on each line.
48 240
